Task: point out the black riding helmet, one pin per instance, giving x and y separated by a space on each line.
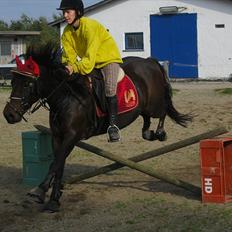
72 4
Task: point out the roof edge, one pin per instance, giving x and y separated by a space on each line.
20 33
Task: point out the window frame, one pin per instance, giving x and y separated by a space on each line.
133 49
5 48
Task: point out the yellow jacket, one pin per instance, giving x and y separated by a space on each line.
90 46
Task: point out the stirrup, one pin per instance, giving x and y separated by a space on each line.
113 133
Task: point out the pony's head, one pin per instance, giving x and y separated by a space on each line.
23 95
26 79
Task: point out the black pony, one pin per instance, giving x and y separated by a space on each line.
73 111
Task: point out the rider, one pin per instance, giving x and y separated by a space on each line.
87 45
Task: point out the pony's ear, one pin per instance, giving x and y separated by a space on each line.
30 67
19 63
36 69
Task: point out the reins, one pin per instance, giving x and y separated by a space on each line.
40 103
44 101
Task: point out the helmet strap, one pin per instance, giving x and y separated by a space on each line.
76 21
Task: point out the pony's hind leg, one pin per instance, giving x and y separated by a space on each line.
160 133
147 134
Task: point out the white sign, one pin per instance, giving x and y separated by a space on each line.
208 185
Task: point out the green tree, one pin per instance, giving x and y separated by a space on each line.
23 24
3 26
57 17
47 33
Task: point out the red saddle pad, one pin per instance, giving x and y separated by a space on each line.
127 97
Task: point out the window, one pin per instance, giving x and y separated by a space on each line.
134 41
5 48
219 25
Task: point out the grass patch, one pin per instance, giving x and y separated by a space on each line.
5 89
120 205
227 91
174 91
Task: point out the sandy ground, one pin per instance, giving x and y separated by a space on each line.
122 200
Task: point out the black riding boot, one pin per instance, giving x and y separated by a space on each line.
113 130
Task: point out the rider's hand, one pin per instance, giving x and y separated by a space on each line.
69 69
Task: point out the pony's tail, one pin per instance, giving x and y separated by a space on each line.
179 118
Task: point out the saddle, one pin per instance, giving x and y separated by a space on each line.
127 95
97 87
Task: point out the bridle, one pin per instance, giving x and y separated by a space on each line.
31 92
24 104
42 102
16 110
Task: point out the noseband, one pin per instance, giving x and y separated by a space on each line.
25 106
16 110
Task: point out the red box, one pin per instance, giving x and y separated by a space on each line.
216 170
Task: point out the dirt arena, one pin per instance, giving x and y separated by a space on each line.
124 200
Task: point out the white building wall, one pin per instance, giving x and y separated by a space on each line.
214 44
17 47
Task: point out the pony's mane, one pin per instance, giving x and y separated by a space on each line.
48 54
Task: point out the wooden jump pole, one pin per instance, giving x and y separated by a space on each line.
132 161
144 169
143 156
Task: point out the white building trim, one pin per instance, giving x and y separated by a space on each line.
214 44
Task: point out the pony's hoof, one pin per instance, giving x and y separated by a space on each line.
149 135
37 194
52 206
161 135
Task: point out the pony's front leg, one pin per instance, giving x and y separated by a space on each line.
57 168
39 193
53 205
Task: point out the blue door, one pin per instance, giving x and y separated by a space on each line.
174 39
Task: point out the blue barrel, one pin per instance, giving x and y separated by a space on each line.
37 156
